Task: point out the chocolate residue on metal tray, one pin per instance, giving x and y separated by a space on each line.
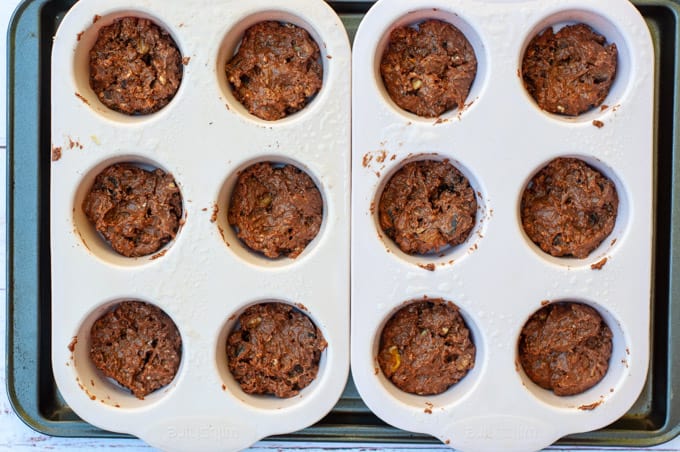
426 347
135 66
428 69
565 347
275 349
276 71
571 71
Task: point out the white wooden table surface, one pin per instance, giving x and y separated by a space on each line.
16 436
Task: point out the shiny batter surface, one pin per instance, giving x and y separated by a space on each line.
135 210
427 205
569 208
135 66
426 347
428 69
571 71
275 209
137 345
276 70
565 347
275 349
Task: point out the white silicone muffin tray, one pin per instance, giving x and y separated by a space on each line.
205 278
499 278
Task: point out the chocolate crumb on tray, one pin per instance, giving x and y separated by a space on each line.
428 69
426 206
135 66
571 71
565 347
276 71
137 345
275 349
568 208
137 211
426 347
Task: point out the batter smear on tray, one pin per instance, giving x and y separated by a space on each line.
275 349
565 347
569 208
428 69
426 347
137 345
135 210
276 71
275 209
135 66
571 71
427 205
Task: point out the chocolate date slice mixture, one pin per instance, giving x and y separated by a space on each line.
137 345
135 210
571 71
428 69
275 349
135 66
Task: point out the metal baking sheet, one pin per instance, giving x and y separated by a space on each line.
652 420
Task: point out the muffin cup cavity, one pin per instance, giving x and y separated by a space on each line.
263 396
93 382
234 207
603 26
127 114
413 20
96 242
231 45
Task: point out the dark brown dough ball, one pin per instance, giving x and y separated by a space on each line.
569 208
136 210
137 345
426 347
275 349
426 206
135 66
275 209
276 71
428 69
571 71
565 347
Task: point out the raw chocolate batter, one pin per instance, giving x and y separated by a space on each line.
275 349
135 66
429 68
275 209
569 208
137 345
426 347
426 206
276 71
571 71
565 347
136 210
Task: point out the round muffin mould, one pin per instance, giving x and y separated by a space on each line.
498 277
205 277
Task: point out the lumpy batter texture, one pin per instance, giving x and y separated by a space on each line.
426 347
569 208
571 71
135 66
275 349
428 69
135 210
137 345
276 71
275 209
426 206
565 347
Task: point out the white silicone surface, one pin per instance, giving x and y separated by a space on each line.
205 278
498 277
